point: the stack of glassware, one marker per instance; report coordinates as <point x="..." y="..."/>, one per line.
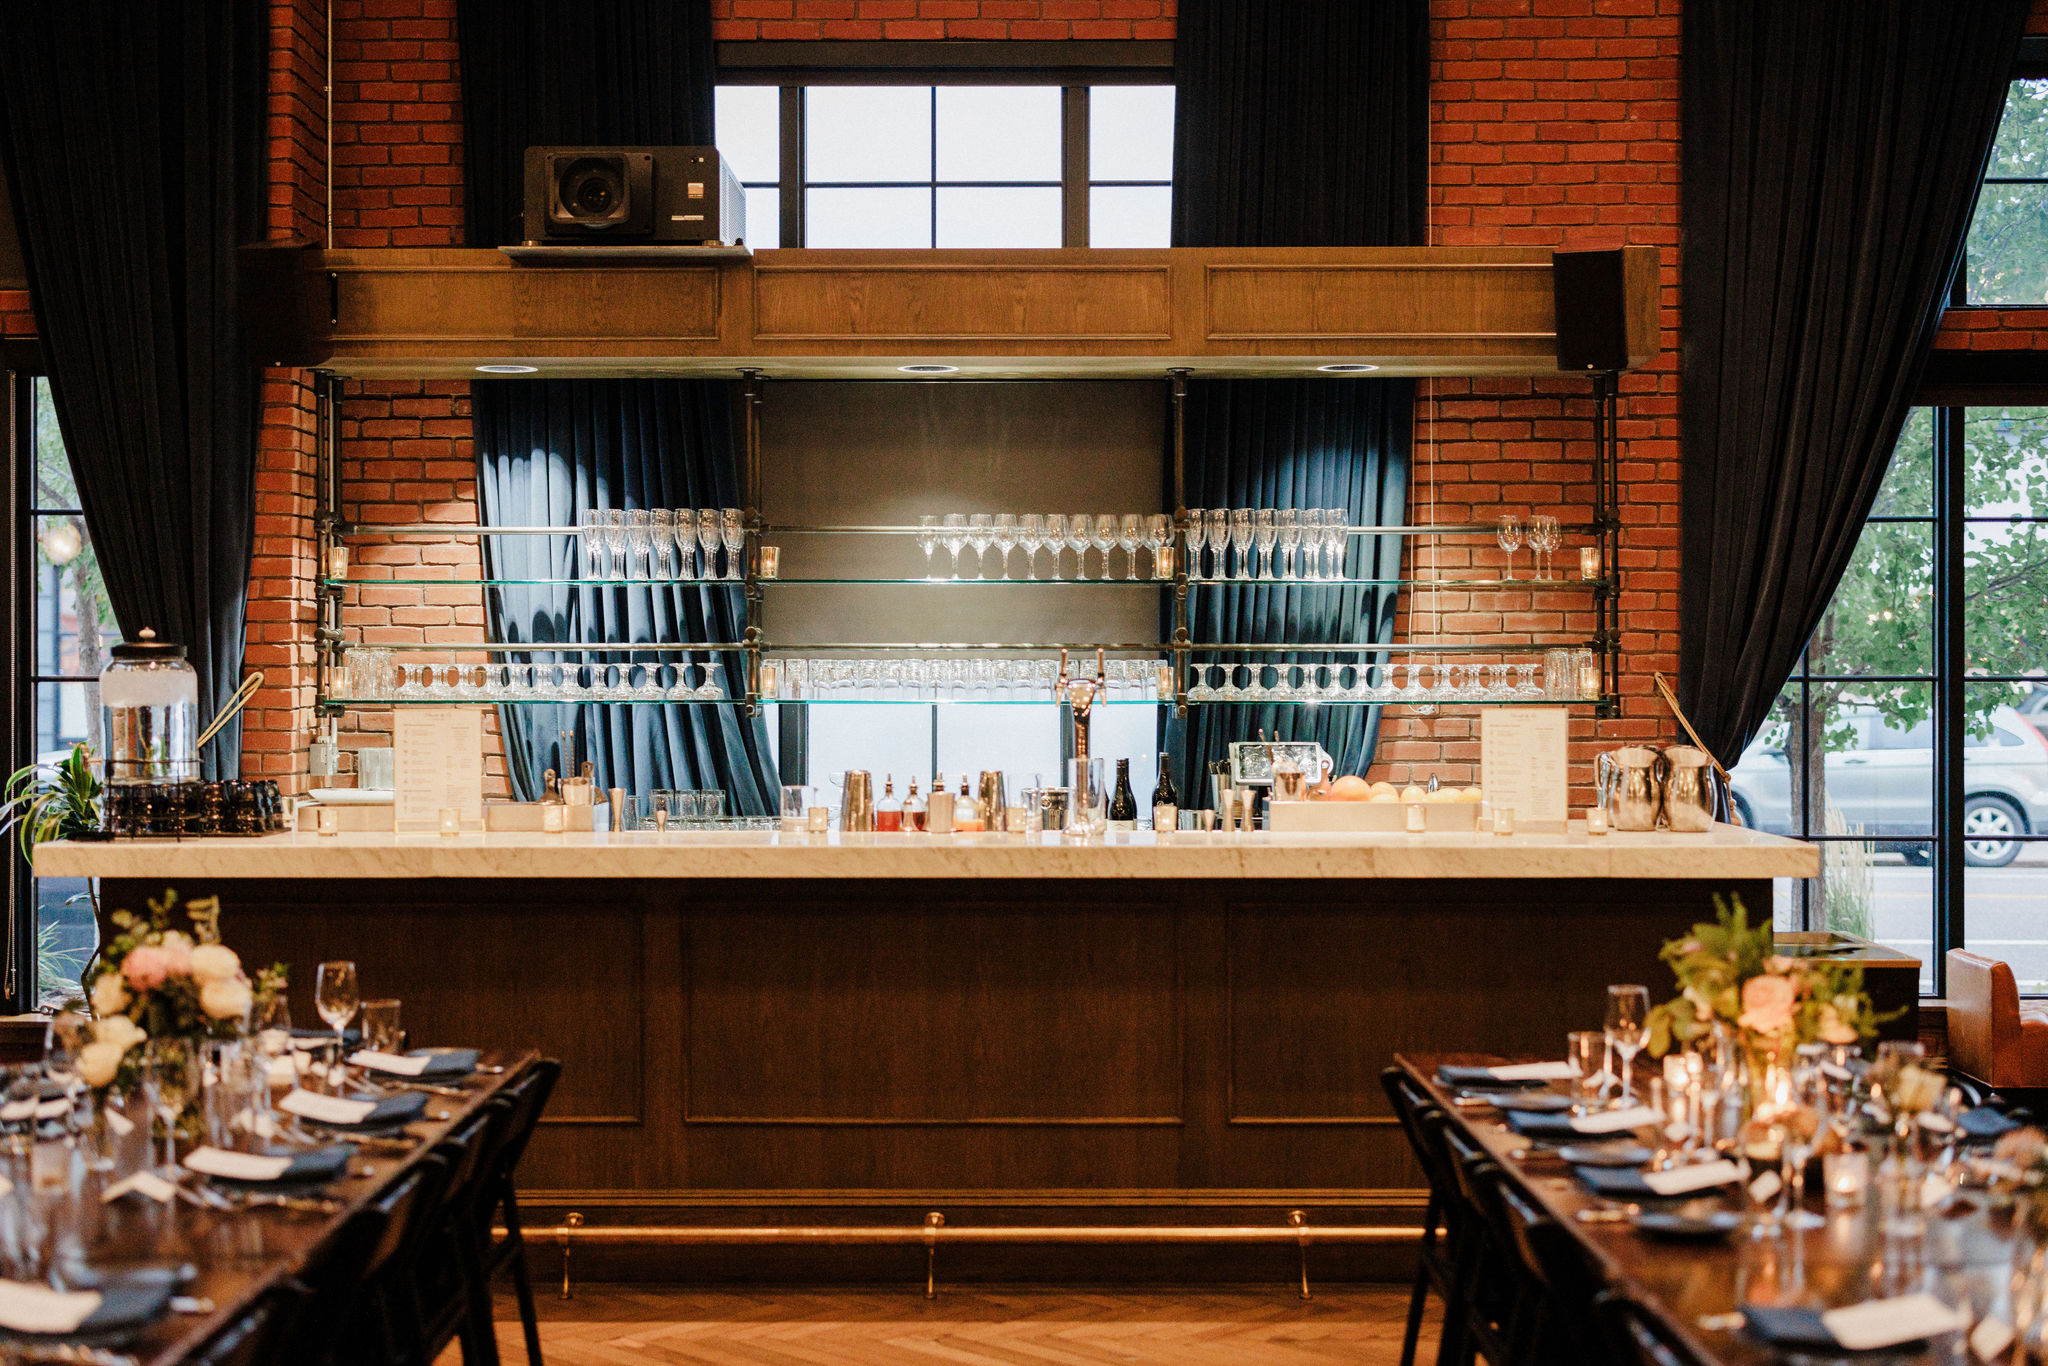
<point x="1053" y="532"/>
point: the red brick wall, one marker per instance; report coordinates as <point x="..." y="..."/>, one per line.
<point x="15" y="318"/>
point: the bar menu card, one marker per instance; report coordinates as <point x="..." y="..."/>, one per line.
<point x="439" y="764"/>
<point x="1523" y="764"/>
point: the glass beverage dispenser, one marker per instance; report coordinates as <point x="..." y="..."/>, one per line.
<point x="149" y="703"/>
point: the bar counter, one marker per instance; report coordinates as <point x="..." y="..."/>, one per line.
<point x="788" y="1029"/>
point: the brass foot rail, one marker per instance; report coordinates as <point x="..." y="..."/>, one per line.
<point x="935" y="1230"/>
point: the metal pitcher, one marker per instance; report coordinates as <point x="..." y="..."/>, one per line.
<point x="1629" y="783"/>
<point x="1691" y="790"/>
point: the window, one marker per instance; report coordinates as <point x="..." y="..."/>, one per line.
<point x="938" y="165"/>
<point x="72" y="626"/>
<point x="2007" y="261"/>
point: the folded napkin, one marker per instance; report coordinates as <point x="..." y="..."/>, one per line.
<point x="1533" y="1102"/>
<point x="1534" y="1125"/>
<point x="27" y="1308"/>
<point x="1857" y="1328"/>
<point x="421" y="1062"/>
<point x="1984" y="1124"/>
<point x="320" y="1038"/>
<point x="1631" y="1183"/>
<point x="1510" y="1074"/>
<point x="294" y="1167"/>
<point x="355" y="1114"/>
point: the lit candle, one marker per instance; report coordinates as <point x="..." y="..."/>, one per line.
<point x="451" y="820"/>
<point x="1596" y="820"/>
<point x="1503" y="820"/>
<point x="1416" y="820"/>
<point x="553" y="816"/>
<point x="771" y="681"/>
<point x="771" y="561"/>
<point x="327" y="820"/>
<point x="1014" y="818"/>
<point x="1589" y="680"/>
<point x="819" y="819"/>
<point x="1162" y="562"/>
<point x="1589" y="562"/>
<point x="1846" y="1177"/>
<point x="337" y="561"/>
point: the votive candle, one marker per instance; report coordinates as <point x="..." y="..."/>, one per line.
<point x="553" y="817"/>
<point x="337" y="562"/>
<point x="1596" y="820"/>
<point x="819" y="819"/>
<point x="1417" y="822"/>
<point x="327" y="820"/>
<point x="771" y="681"/>
<point x="1503" y="820"/>
<point x="1589" y="562"/>
<point x="451" y="820"/>
<point x="771" y="561"/>
<point x="1846" y="1177"/>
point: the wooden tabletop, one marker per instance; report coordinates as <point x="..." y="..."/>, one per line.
<point x="1842" y="1263"/>
<point x="239" y="1255"/>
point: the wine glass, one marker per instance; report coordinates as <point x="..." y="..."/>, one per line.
<point x="1055" y="538"/>
<point x="707" y="539"/>
<point x="1080" y="535"/>
<point x="954" y="534"/>
<point x="1005" y="537"/>
<point x="1216" y="532"/>
<point x="1628" y="1029"/>
<point x="979" y="533"/>
<point x="1130" y="531"/>
<point x="1241" y="540"/>
<point x="1031" y="535"/>
<point x="590" y="535"/>
<point x="1806" y="1103"/>
<point x="638" y="543"/>
<point x="615" y="542"/>
<point x="1158" y="536"/>
<point x="1287" y="526"/>
<point x="928" y="542"/>
<point x="1509" y="535"/>
<point x="1104" y="538"/>
<point x="1265" y="532"/>
<point x="732" y="530"/>
<point x="336" y="996"/>
<point x="1194" y="539"/>
<point x="1543" y="539"/>
<point x="1337" y="532"/>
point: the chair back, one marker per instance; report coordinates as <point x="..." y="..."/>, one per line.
<point x="526" y="1098"/>
<point x="1410" y="1102"/>
<point x="331" y="1282"/>
<point x="1563" y="1274"/>
<point x="409" y="1206"/>
<point x="1984" y="1019"/>
<point x="1637" y="1337"/>
<point x="258" y="1336"/>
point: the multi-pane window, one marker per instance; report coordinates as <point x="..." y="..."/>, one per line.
<point x="749" y="137"/>
<point x="73" y="627"/>
<point x="1130" y="165"/>
<point x="2008" y="245"/>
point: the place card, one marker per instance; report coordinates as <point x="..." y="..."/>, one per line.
<point x="1766" y="1185"/>
<point x="1523" y="763"/>
<point x="1887" y="1323"/>
<point x="54" y="1109"/>
<point x="236" y="1166"/>
<point x="119" y="1123"/>
<point x="26" y="1308"/>
<point x="326" y="1109"/>
<point x="1614" y="1121"/>
<point x="1533" y="1071"/>
<point x="1991" y="1337"/>
<point x="15" y="1110"/>
<point x="1699" y="1176"/>
<point x="141" y="1183"/>
<point x="395" y="1063"/>
<point x="438" y="765"/>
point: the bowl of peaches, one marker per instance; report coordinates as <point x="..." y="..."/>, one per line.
<point x="1351" y="804"/>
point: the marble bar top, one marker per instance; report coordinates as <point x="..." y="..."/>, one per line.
<point x="1727" y="852"/>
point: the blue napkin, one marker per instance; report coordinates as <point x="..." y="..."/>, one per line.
<point x="1478" y="1077"/>
<point x="1549" y="1124"/>
<point x="310" y="1166"/>
<point x="1626" y="1183"/>
<point x="1984" y="1124"/>
<point x="1783" y="1326"/>
<point x="446" y="1062"/>
<point x="389" y="1112"/>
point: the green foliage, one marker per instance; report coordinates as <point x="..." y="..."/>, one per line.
<point x="2008" y="245"/>
<point x="53" y="804"/>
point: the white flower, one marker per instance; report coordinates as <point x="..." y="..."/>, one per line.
<point x="226" y="1000"/>
<point x="109" y="994"/>
<point x="119" y="1031"/>
<point x="98" y="1061"/>
<point x="215" y="963"/>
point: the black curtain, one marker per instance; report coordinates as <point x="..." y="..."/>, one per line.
<point x="1831" y="159"/>
<point x="1298" y="125"/>
<point x="130" y="136"/>
<point x="606" y="73"/>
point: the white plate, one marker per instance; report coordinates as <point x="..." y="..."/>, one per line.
<point x="349" y="796"/>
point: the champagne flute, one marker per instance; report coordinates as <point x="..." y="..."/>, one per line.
<point x="928" y="542"/>
<point x="1543" y="539"/>
<point x="1509" y="535"/>
<point x="1265" y="532"/>
<point x="1628" y="1029"/>
<point x="732" y="529"/>
<point x="661" y="532"/>
<point x="590" y="533"/>
<point x="707" y="539"/>
<point x="1194" y="538"/>
<point x="1805" y="1105"/>
<point x="1241" y="540"/>
<point x="336" y="996"/>
<point x="1130" y="532"/>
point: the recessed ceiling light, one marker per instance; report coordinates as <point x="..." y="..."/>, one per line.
<point x="929" y="369"/>
<point x="508" y="369"/>
<point x="1346" y="368"/>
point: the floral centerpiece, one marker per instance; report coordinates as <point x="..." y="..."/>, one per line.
<point x="1732" y="977"/>
<point x="155" y="982"/>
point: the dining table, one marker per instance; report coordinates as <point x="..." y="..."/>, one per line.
<point x="1697" y="1288"/>
<point x="233" y="1255"/>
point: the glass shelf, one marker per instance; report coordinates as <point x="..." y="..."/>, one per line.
<point x="970" y="583"/>
<point x="943" y="702"/>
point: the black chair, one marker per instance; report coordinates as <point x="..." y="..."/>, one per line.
<point x="1436" y="1258"/>
<point x="260" y="1335"/>
<point x="330" y="1282"/>
<point x="1561" y="1281"/>
<point x="1637" y="1337"/>
<point x="527" y="1097"/>
<point x="451" y="1291"/>
<point x="1491" y="1307"/>
<point x="381" y="1330"/>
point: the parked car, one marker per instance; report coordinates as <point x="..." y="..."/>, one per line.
<point x="1882" y="782"/>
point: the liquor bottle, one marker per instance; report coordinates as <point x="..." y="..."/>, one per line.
<point x="888" y="811"/>
<point x="913" y="808"/>
<point x="1123" y="803"/>
<point x="966" y="810"/>
<point x="939" y="814"/>
<point x="1165" y="799"/>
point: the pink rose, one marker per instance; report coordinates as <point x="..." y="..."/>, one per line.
<point x="145" y="968"/>
<point x="1767" y="1004"/>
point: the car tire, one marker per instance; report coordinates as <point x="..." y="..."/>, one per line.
<point x="1985" y="820"/>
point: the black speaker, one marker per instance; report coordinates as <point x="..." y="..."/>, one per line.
<point x="1592" y="321"/>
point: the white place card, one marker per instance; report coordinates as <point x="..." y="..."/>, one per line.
<point x="236" y="1166"/>
<point x="17" y="1110"/>
<point x="1765" y="1186"/>
<point x="1614" y="1121"/>
<point x="284" y="1071"/>
<point x="438" y="764"/>
<point x="1697" y="1177"/>
<point x="1523" y="764"/>
<point x="147" y="1184"/>
<point x="1887" y="1323"/>
<point x="29" y="1308"/>
<point x="326" y="1109"/>
<point x="1991" y="1337"/>
<point x="54" y="1109"/>
<point x="119" y="1123"/>
<point x="395" y="1063"/>
<point x="1533" y="1071"/>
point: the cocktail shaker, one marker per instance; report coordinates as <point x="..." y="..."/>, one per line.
<point x="857" y="807"/>
<point x="993" y="800"/>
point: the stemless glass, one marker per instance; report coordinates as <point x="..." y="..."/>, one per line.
<point x="1287" y="526"/>
<point x="1264" y="531"/>
<point x="1194" y="540"/>
<point x="1130" y="533"/>
<point x="615" y="543"/>
<point x="1104" y="538"/>
<point x="928" y="542"/>
<point x="336" y="996"/>
<point x="1241" y="540"/>
<point x="954" y="535"/>
<point x="172" y="1074"/>
<point x="979" y="534"/>
<point x="1005" y="537"/>
<point x="639" y="541"/>
<point x="1158" y="536"/>
<point x="381" y="1033"/>
<point x="661" y="534"/>
<point x="1586" y="1054"/>
<point x="590" y="535"/>
<point x="1509" y="535"/>
<point x="1216" y="534"/>
<point x="732" y="529"/>
<point x="1055" y="537"/>
<point x="1628" y="1029"/>
<point x="1031" y="535"/>
<point x="708" y="537"/>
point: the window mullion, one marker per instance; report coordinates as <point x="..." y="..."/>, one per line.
<point x="1074" y="107"/>
<point x="1949" y="690"/>
<point x="794" y="175"/>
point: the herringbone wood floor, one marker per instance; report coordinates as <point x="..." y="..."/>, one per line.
<point x="614" y="1325"/>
